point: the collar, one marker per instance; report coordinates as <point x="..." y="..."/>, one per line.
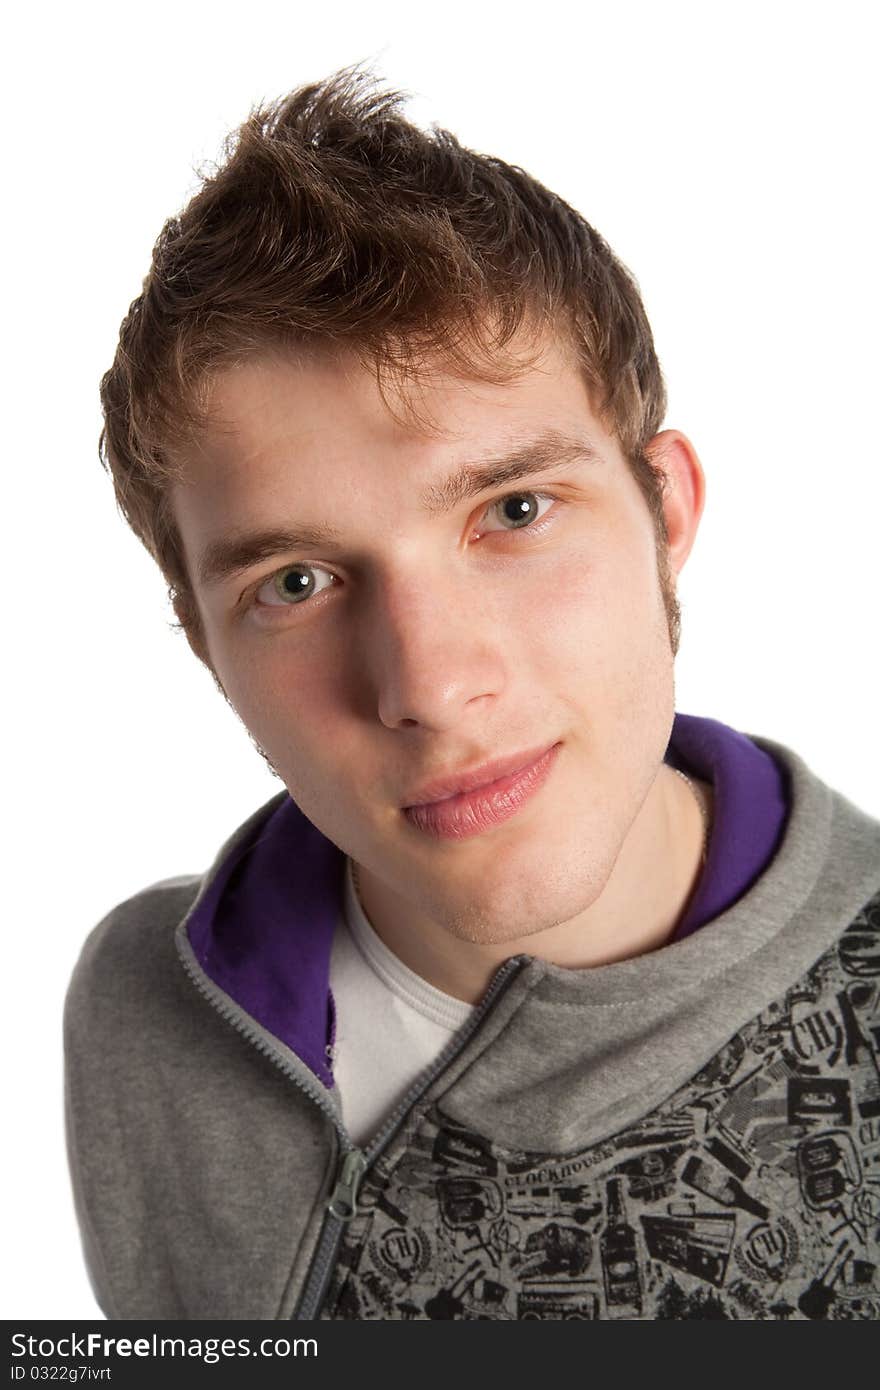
<point x="262" y="927"/>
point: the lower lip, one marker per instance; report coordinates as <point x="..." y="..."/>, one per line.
<point x="471" y="813"/>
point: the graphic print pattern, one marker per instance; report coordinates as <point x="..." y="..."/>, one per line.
<point x="753" y="1192"/>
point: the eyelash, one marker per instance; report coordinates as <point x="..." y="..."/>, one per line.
<point x="535" y="529"/>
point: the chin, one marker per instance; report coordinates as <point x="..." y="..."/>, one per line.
<point x="514" y="914"/>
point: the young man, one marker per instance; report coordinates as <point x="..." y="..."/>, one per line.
<point x="529" y="997"/>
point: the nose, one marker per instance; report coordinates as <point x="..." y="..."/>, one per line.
<point x="431" y="652"/>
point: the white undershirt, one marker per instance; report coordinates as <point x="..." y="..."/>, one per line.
<point x="390" y="1023"/>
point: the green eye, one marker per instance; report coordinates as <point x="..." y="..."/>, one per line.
<point x="292" y="586"/>
<point x="520" y="508"/>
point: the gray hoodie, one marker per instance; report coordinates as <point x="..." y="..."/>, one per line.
<point x="691" y="1133"/>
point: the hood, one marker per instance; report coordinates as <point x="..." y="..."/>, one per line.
<point x="262" y="926"/>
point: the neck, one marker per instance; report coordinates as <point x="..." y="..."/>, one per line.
<point x="642" y="902"/>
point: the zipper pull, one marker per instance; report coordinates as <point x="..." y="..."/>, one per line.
<point x="343" y="1201"/>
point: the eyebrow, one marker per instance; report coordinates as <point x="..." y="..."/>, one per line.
<point x="234" y="554"/>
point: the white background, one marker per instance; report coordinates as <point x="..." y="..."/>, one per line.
<point x="726" y="151"/>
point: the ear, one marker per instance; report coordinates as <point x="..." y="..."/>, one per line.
<point x="684" y="493"/>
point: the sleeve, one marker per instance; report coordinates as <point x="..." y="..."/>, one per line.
<point x="92" y="1256"/>
<point x="125" y="968"/>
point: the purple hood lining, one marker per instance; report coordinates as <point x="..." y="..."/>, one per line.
<point x="263" y="929"/>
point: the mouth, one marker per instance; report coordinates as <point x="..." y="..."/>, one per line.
<point x="474" y="778"/>
<point x="485" y="802"/>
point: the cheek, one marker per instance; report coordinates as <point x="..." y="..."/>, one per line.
<point x="294" y="704"/>
<point x="598" y="619"/>
<point x="605" y="645"/>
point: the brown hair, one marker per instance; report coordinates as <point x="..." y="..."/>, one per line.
<point x="333" y="221"/>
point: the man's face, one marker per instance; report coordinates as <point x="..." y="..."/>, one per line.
<point x="422" y="640"/>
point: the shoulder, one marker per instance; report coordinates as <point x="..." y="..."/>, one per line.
<point x="127" y="971"/>
<point x="141" y="924"/>
<point x="130" y="960"/>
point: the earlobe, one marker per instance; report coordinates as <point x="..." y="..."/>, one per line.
<point x="685" y="493"/>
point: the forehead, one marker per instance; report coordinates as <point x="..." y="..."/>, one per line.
<point x="320" y="396"/>
<point x="312" y="433"/>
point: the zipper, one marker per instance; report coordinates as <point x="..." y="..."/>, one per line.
<point x="261" y="1039"/>
<point x="353" y="1162"/>
<point x="341" y="1207"/>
